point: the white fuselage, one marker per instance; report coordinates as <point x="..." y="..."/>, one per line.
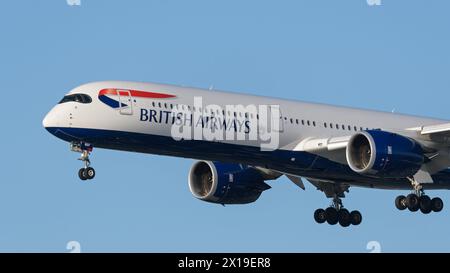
<point x="137" y="115"/>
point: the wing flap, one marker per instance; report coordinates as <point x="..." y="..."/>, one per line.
<point x="297" y="180"/>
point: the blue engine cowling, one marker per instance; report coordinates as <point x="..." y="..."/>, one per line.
<point x="384" y="154"/>
<point x="225" y="183"/>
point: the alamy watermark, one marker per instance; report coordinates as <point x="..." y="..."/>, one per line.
<point x="374" y="2"/>
<point x="374" y="247"/>
<point x="258" y="125"/>
<point x="73" y="247"/>
<point x="78" y="2"/>
<point x="73" y="2"/>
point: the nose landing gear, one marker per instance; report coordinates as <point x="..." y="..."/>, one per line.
<point x="87" y="172"/>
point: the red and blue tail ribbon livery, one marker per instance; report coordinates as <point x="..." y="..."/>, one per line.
<point x="108" y="95"/>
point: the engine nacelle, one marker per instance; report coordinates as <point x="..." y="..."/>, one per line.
<point x="384" y="154"/>
<point x="225" y="183"/>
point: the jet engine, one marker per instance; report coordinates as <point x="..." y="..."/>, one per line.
<point x="226" y="183"/>
<point x="384" y="154"/>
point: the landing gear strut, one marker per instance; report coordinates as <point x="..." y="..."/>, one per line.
<point x="417" y="200"/>
<point x="87" y="172"/>
<point x="336" y="213"/>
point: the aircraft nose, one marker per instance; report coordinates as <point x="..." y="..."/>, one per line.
<point x="49" y="120"/>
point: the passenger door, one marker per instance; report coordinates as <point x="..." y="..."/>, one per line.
<point x="125" y="102"/>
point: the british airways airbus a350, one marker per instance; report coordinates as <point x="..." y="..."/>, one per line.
<point x="241" y="141"/>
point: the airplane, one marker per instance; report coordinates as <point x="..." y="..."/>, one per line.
<point x="242" y="141"/>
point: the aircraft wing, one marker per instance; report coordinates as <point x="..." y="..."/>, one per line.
<point x="441" y="129"/>
<point x="438" y="133"/>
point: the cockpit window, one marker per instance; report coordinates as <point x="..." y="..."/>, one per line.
<point x="81" y="98"/>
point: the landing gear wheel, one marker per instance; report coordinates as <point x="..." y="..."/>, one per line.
<point x="85" y="149"/>
<point x="412" y="201"/>
<point x="436" y="204"/>
<point x="320" y="216"/>
<point x="400" y="202"/>
<point x="336" y="213"/>
<point x="344" y="217"/>
<point x="89" y="173"/>
<point x="332" y="215"/>
<point x="355" y="217"/>
<point x="425" y="204"/>
<point x="82" y="174"/>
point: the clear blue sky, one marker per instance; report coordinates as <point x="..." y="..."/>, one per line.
<point x="343" y="52"/>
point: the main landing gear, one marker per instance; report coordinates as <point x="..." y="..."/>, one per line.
<point x="336" y="213"/>
<point x="417" y="200"/>
<point x="87" y="172"/>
